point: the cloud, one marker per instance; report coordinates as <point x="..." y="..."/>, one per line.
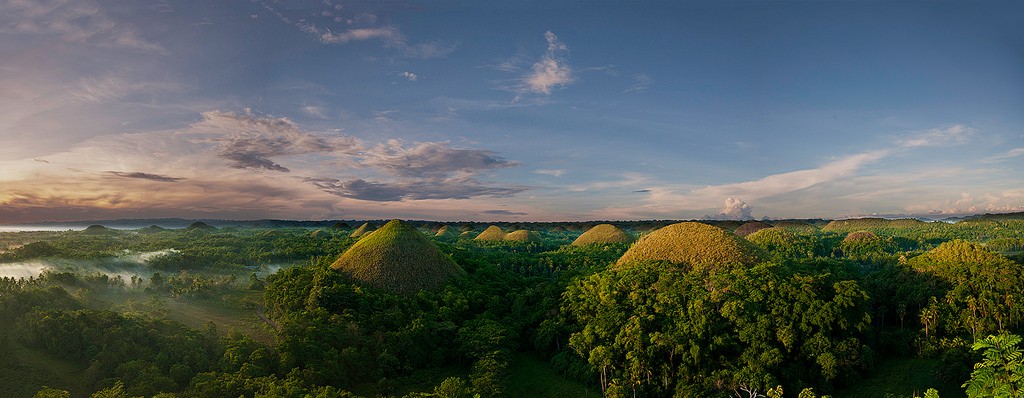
<point x="641" y="82"/>
<point x="144" y="176"/>
<point x="431" y="159"/>
<point x="553" y="173"/>
<point x="110" y="88"/>
<point x="453" y="188"/>
<point x="734" y="209"/>
<point x="249" y="141"/>
<point x="385" y="33"/>
<point x="410" y="76"/>
<point x="953" y="135"/>
<point x="642" y="191"/>
<point x="551" y="71"/>
<point x="503" y="212"/>
<point x="78" y="21"/>
<point x="1015" y="152"/>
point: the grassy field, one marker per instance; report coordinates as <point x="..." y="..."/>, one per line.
<point x="532" y="377"/>
<point x="902" y="377"/>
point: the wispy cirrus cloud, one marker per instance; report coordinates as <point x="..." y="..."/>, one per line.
<point x="947" y="136"/>
<point x="1015" y="152"/>
<point x="641" y="82"/>
<point x="144" y="176"/>
<point x="78" y="21"/>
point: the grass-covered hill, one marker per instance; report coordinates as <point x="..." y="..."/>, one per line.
<point x="750" y="227"/>
<point x="522" y="235"/>
<point x="693" y="243"/>
<point x="362" y="230"/>
<point x="492" y="233"/>
<point x="398" y="258"/>
<point x="447" y="232"/>
<point x="601" y="234"/>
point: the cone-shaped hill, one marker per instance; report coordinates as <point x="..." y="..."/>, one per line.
<point x="95" y="230"/>
<point x="447" y="232"/>
<point x="522" y="235"/>
<point x="750" y="227"/>
<point x="200" y="226"/>
<point x="601" y="234"/>
<point x="860" y="236"/>
<point x="492" y="233"/>
<point x="398" y="258"/>
<point x="693" y="243"/>
<point x="152" y="229"/>
<point x="362" y="230"/>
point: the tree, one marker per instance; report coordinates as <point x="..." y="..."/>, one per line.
<point x="1001" y="372"/>
<point x="48" y="392"/>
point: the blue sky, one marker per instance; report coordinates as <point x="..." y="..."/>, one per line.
<point x="519" y="110"/>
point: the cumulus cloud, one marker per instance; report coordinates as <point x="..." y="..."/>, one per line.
<point x="431" y="159"/>
<point x="144" y="176"/>
<point x="451" y="188"/>
<point x="249" y="141"/>
<point x="552" y="70"/>
<point x="410" y="76"/>
<point x="79" y="21"/>
<point x="734" y="209"/>
<point x="953" y="135"/>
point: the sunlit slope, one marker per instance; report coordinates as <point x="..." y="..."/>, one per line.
<point x="693" y="243"/>
<point x="399" y="258"/>
<point x="492" y="233"/>
<point x="603" y="233"/>
<point x="522" y="235"/>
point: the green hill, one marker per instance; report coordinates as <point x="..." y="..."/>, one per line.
<point x="603" y="233"/>
<point x="362" y="230"/>
<point x="750" y="227"/>
<point x="398" y="258"/>
<point x="693" y="243"/>
<point x="492" y="233"/>
<point x="522" y="235"/>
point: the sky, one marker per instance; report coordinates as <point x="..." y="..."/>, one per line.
<point x="515" y="111"/>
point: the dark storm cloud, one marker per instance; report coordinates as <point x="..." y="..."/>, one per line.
<point x="144" y="176"/>
<point x="454" y="188"/>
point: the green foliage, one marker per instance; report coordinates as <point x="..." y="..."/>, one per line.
<point x="745" y="328"/>
<point x="783" y="244"/>
<point x="982" y="292"/>
<point x="693" y="244"/>
<point x="48" y="392"/>
<point x="603" y="234"/>
<point x="398" y="258"/>
<point x="1000" y="374"/>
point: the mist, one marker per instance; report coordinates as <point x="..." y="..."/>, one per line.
<point x="126" y="265"/>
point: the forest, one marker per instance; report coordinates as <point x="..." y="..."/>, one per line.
<point x="795" y="308"/>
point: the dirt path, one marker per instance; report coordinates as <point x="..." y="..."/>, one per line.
<point x="259" y="313"/>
